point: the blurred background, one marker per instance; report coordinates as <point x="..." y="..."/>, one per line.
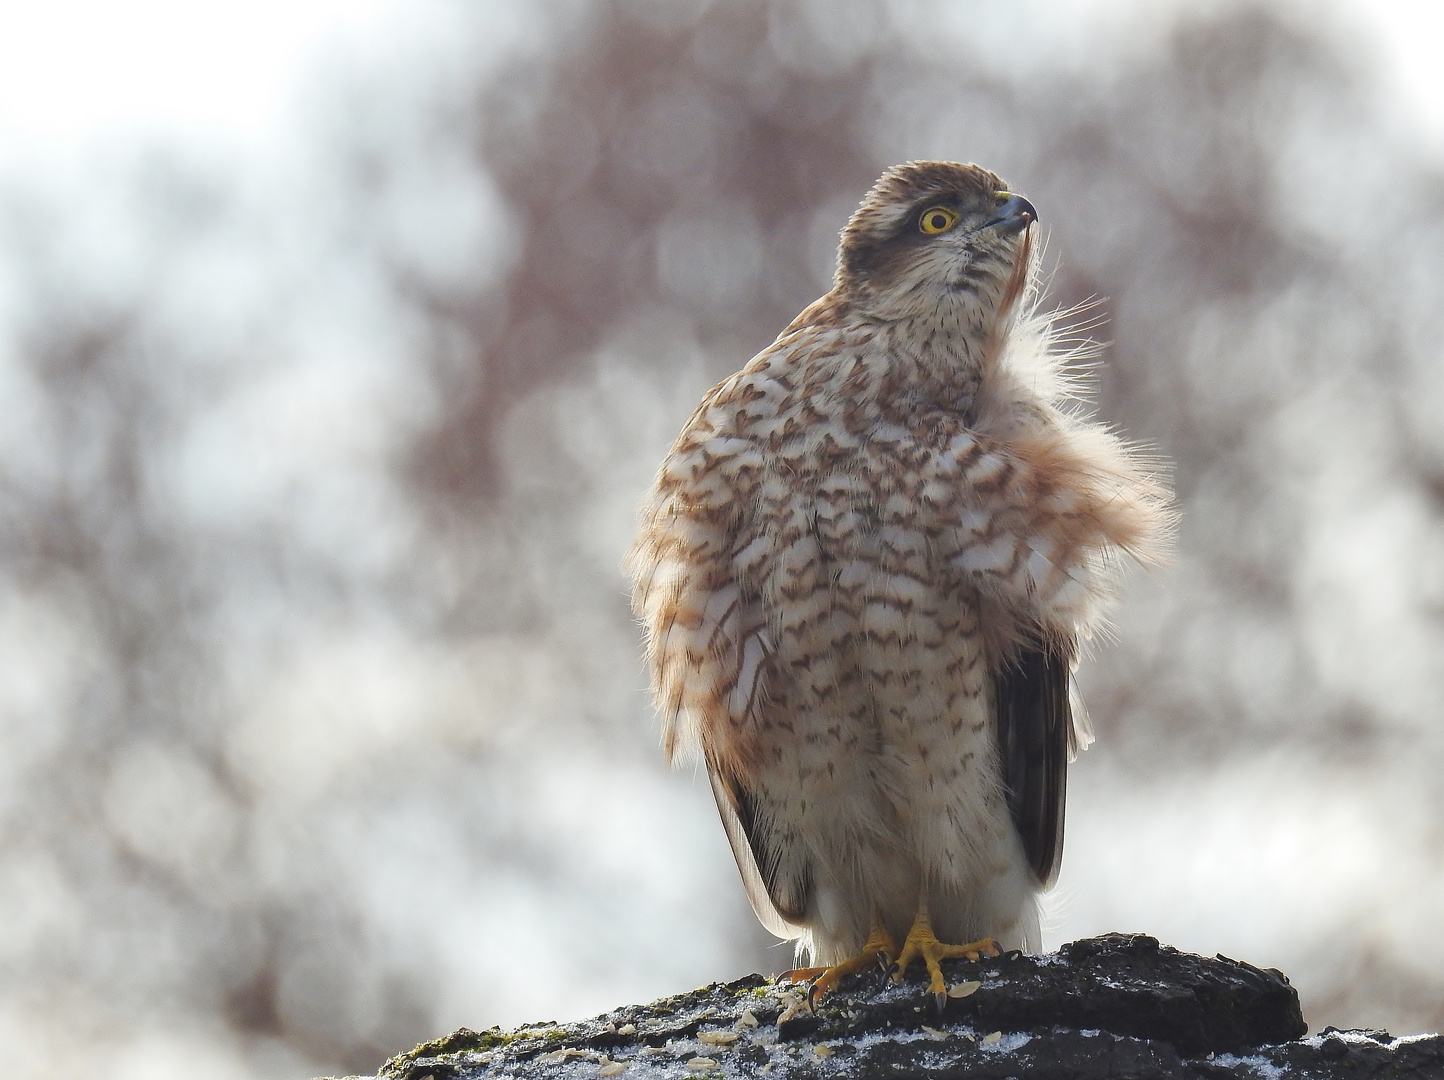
<point x="338" y="343"/>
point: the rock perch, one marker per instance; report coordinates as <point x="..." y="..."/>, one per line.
<point x="1121" y="1005"/>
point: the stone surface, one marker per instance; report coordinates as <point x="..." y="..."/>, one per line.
<point x="1113" y="1006"/>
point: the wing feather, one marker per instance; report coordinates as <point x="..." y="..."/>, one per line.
<point x="1035" y="735"/>
<point x="778" y="889"/>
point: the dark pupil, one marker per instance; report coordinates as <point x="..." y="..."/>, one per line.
<point x="937" y="221"/>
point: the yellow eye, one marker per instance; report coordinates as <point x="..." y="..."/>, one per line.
<point x="937" y="219"/>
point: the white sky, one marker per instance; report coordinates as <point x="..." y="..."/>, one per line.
<point x="1412" y="35"/>
<point x="73" y="70"/>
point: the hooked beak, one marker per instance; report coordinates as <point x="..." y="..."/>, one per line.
<point x="1015" y="215"/>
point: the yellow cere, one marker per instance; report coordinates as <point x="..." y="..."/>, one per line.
<point x="937" y="219"/>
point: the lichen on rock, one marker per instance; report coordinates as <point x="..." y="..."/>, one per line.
<point x="1117" y="1005"/>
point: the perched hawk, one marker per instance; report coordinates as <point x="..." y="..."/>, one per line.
<point x="864" y="570"/>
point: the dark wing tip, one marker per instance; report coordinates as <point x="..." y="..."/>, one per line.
<point x="779" y="889"/>
<point x="1034" y="725"/>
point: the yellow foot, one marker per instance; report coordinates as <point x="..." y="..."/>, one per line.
<point x="877" y="952"/>
<point x="923" y="944"/>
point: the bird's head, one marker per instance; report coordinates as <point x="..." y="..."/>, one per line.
<point x="936" y="241"/>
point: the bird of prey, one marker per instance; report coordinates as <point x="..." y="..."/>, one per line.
<point x="864" y="571"/>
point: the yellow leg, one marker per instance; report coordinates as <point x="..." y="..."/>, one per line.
<point x="878" y="952"/>
<point x="923" y="944"/>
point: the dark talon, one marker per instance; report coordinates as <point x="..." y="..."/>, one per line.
<point x="812" y="996"/>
